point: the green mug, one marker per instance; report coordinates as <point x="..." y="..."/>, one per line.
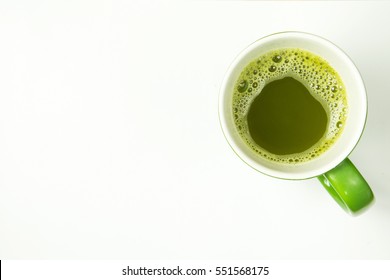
<point x="333" y="168"/>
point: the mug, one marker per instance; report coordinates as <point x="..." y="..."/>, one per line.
<point x="333" y="168"/>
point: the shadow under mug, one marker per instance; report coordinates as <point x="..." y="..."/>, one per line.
<point x="333" y="168"/>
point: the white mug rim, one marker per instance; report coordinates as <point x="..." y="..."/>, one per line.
<point x="256" y="165"/>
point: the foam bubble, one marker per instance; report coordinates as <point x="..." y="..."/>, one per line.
<point x="272" y="68"/>
<point x="277" y="58"/>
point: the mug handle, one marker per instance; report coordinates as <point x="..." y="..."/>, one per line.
<point x="348" y="187"/>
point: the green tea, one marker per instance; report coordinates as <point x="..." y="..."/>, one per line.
<point x="289" y="105"/>
<point x="285" y="118"/>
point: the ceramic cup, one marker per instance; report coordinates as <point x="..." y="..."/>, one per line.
<point x="333" y="168"/>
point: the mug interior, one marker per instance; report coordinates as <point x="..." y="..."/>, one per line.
<point x="356" y="98"/>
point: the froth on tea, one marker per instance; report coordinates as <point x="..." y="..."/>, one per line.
<point x="289" y="105"/>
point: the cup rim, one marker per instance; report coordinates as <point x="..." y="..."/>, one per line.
<point x="227" y="132"/>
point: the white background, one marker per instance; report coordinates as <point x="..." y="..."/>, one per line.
<point x="110" y="145"/>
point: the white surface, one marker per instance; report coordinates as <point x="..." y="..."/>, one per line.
<point x="110" y="145"/>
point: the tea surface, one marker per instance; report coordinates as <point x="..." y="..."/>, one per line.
<point x="285" y="118"/>
<point x="289" y="105"/>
